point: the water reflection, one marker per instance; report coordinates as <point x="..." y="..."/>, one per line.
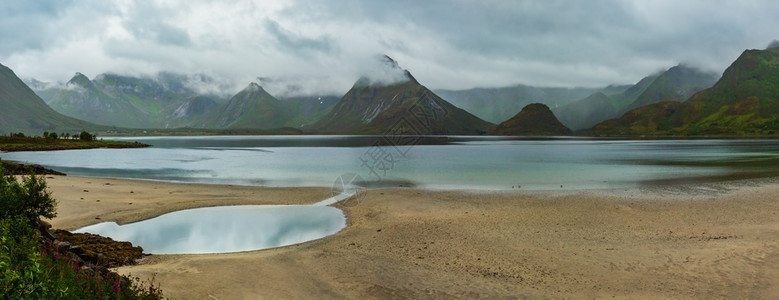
<point x="226" y="228"/>
<point x="457" y="162"/>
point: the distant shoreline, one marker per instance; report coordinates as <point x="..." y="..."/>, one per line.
<point x="68" y="145"/>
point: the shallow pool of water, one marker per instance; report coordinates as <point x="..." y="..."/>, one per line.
<point x="226" y="228"/>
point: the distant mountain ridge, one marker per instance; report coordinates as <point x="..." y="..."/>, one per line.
<point x="745" y="100"/>
<point x="136" y="102"/>
<point x="499" y="104"/>
<point x="83" y="99"/>
<point x="170" y="100"/>
<point x="675" y="84"/>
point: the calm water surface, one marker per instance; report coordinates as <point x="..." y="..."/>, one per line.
<point x="491" y="163"/>
<point x="227" y="228"/>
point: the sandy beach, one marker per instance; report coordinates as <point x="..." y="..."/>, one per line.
<point x="718" y="240"/>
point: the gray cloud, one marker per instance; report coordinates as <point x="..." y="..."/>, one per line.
<point x="23" y="22"/>
<point x="312" y="46"/>
<point x="292" y="42"/>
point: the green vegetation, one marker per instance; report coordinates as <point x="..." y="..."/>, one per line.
<point x="63" y="141"/>
<point x="205" y="132"/>
<point x="584" y="113"/>
<point x="83" y="99"/>
<point x="21" y="110"/>
<point x="169" y="101"/>
<point x="677" y="84"/>
<point x="745" y="101"/>
<point x="30" y="269"/>
<point x="252" y="107"/>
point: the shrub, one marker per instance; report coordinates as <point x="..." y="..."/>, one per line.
<point x="85" y="136"/>
<point x="28" y="199"/>
<point x="30" y="269"/>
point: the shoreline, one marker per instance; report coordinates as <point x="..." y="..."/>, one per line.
<point x="690" y="241"/>
<point x="81" y="200"/>
<point x="65" y="146"/>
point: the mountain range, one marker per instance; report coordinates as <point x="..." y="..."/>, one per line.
<point x="499" y="104"/>
<point x="170" y="100"/>
<point x="745" y="100"/>
<point x="581" y="108"/>
<point x="163" y="101"/>
<point x="675" y="84"/>
<point x="680" y="100"/>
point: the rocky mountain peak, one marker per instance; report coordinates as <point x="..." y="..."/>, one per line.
<point x="79" y="80"/>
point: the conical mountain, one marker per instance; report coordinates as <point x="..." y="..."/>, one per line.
<point x="82" y="99"/>
<point x="394" y="102"/>
<point x="252" y="107"/>
<point x="744" y="101"/>
<point x="533" y="119"/>
<point x="677" y="84"/>
<point x="21" y="110"/>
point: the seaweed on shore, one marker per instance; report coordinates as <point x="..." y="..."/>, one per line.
<point x="105" y="251"/>
<point x="14" y="168"/>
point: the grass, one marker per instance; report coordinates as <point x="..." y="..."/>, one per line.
<point x="16" y="143"/>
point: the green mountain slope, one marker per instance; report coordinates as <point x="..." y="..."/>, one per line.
<point x="21" y="110"/>
<point x="82" y="99"/>
<point x="190" y="111"/>
<point x="677" y="84"/>
<point x="584" y="113"/>
<point x="630" y="95"/>
<point x="306" y="110"/>
<point x="168" y="100"/>
<point x="744" y="101"/>
<point x="534" y="119"/>
<point x="252" y="107"/>
<point x="404" y="106"/>
<point x="45" y="90"/>
<point x="160" y="101"/>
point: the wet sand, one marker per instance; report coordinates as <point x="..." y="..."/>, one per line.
<point x="718" y="240"/>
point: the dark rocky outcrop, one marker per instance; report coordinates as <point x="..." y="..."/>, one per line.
<point x="25" y="169"/>
<point x="88" y="251"/>
<point x="534" y="119"/>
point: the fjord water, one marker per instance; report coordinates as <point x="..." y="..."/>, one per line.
<point x="473" y="163"/>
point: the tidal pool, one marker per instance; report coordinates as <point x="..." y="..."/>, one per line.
<point x="226" y="229"/>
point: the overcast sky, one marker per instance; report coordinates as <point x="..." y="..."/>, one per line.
<point x="324" y="46"/>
